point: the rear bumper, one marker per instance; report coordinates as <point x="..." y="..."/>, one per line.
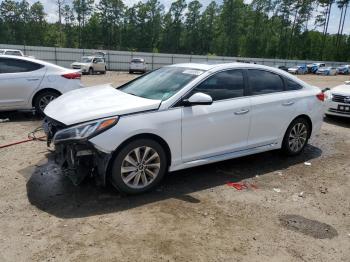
<point x="137" y="69"/>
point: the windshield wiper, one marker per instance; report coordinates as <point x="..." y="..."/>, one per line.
<point x="133" y="94"/>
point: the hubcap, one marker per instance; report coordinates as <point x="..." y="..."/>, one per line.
<point x="140" y="167"/>
<point x="45" y="100"/>
<point x="297" y="137"/>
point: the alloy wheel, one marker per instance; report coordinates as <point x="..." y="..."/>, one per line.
<point x="45" y="100"/>
<point x="297" y="137"/>
<point x="140" y="167"/>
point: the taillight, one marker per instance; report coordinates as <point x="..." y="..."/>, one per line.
<point x="321" y="96"/>
<point x="74" y="75"/>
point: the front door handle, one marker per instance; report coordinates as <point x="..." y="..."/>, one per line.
<point x="288" y="103"/>
<point x="242" y="112"/>
<point x="32" y="79"/>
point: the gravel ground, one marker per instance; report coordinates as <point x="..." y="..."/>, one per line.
<point x="290" y="211"/>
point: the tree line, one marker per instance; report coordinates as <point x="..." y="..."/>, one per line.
<point x="263" y="28"/>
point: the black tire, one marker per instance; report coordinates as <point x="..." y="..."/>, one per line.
<point x="104" y="72"/>
<point x="116" y="172"/>
<point x="91" y="71"/>
<point x="131" y="72"/>
<point x="286" y="146"/>
<point x="41" y="98"/>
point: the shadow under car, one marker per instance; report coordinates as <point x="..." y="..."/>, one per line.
<point x="54" y="193"/>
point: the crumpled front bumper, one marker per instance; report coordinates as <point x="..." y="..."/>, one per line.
<point x="77" y="159"/>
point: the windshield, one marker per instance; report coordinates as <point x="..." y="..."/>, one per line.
<point x="162" y="83"/>
<point x="86" y="60"/>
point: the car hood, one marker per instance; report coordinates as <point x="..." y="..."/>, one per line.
<point x="341" y="90"/>
<point x="96" y="102"/>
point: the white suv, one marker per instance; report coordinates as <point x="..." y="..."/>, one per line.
<point x="178" y="117"/>
<point x="90" y="65"/>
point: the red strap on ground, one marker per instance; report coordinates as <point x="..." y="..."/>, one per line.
<point x="238" y="186"/>
<point x="21" y="142"/>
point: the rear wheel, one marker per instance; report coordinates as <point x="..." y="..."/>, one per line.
<point x="139" y="166"/>
<point x="296" y="137"/>
<point x="43" y="99"/>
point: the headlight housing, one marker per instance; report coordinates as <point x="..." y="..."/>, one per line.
<point x="84" y="131"/>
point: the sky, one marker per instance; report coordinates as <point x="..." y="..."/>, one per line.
<point x="51" y="10"/>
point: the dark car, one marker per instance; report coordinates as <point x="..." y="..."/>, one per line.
<point x="282" y="67"/>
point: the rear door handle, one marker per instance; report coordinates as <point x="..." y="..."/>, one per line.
<point x="288" y="103"/>
<point x="32" y="79"/>
<point x="242" y="112"/>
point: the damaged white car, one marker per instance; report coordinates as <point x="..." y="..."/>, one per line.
<point x="178" y="117"/>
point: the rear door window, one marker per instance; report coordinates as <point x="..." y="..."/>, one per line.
<point x="8" y="65"/>
<point x="223" y="85"/>
<point x="263" y="82"/>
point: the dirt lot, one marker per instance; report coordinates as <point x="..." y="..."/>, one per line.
<point x="293" y="211"/>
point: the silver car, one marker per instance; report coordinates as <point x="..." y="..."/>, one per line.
<point x="327" y="71"/>
<point x="137" y="65"/>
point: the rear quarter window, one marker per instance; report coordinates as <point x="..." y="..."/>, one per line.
<point x="291" y="85"/>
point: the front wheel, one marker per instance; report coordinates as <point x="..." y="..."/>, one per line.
<point x="296" y="137"/>
<point x="139" y="166"/>
<point x="91" y="71"/>
<point x="43" y="99"/>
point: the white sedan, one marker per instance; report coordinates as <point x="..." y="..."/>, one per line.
<point x="178" y="117"/>
<point x="26" y="83"/>
<point x="338" y="100"/>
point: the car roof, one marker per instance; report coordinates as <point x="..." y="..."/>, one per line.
<point x="238" y="65"/>
<point x="220" y="65"/>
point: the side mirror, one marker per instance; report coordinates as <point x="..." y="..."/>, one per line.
<point x="94" y="61"/>
<point x="198" y="99"/>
